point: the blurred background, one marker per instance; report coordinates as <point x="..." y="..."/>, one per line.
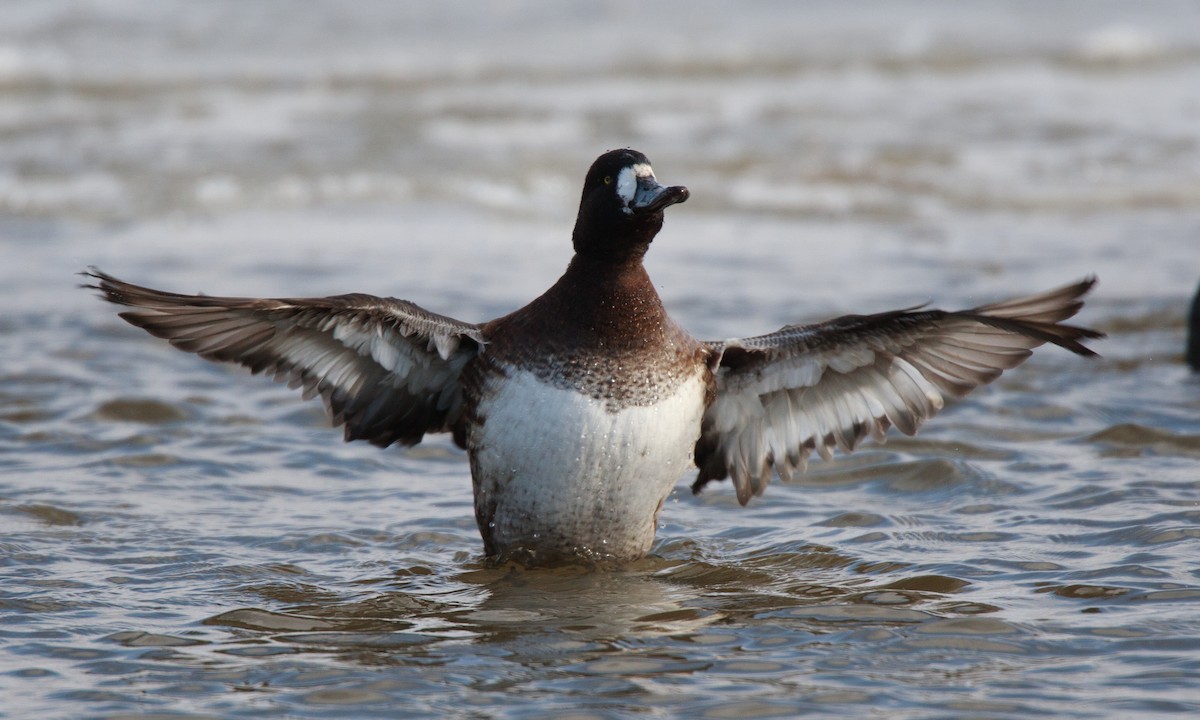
<point x="904" y="140"/>
<point x="179" y="538"/>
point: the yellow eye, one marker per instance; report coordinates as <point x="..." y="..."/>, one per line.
<point x="608" y="179"/>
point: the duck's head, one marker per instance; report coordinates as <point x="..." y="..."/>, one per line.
<point x="622" y="206"/>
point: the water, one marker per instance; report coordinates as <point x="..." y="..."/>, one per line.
<point x="181" y="540"/>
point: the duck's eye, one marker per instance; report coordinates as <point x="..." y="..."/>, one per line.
<point x="608" y="179"/>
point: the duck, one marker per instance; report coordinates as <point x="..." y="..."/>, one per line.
<point x="580" y="412"/>
<point x="1192" y="352"/>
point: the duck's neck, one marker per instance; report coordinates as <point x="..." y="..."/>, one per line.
<point x="606" y="298"/>
<point x="596" y="280"/>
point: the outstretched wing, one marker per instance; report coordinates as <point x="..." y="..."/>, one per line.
<point x="781" y="396"/>
<point x="386" y="369"/>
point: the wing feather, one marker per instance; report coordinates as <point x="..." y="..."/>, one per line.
<point x="820" y="388"/>
<point x="386" y="369"/>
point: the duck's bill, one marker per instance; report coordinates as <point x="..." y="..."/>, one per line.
<point x="652" y="197"/>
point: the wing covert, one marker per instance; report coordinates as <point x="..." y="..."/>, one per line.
<point x="816" y="388"/>
<point x="386" y="369"/>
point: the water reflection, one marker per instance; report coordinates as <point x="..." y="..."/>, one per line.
<point x="180" y="540"/>
<point x="668" y="621"/>
<point x="535" y="611"/>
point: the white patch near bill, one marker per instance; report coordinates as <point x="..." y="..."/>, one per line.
<point x="626" y="184"/>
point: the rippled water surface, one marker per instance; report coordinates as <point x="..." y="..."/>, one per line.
<point x="179" y="539"/>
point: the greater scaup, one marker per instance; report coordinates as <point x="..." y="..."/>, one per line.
<point x="581" y="410"/>
<point x="1192" y="353"/>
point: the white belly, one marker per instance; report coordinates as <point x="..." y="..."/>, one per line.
<point x="557" y="473"/>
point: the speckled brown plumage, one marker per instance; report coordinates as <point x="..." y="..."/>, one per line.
<point x="600" y="330"/>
